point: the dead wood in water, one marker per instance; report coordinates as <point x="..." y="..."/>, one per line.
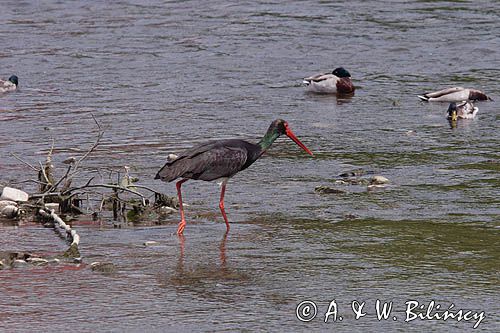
<point x="83" y="190"/>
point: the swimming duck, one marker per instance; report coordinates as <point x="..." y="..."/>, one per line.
<point x="339" y="81"/>
<point x="463" y="110"/>
<point x="9" y="85"/>
<point x="455" y="94"/>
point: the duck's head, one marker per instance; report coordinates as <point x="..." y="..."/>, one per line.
<point x="13" y="79"/>
<point x="341" y="72"/>
<point x="453" y="112"/>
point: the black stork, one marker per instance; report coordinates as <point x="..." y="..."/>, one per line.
<point x="220" y="160"/>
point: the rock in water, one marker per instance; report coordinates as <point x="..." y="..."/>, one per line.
<point x="5" y="203"/>
<point x="13" y="194"/>
<point x="328" y="190"/>
<point x="378" y="180"/>
<point x="9" y="211"/>
<point x="103" y="267"/>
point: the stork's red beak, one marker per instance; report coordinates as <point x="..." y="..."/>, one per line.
<point x="292" y="136"/>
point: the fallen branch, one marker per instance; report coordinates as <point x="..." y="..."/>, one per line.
<point x="90" y="150"/>
<point x="75" y="238"/>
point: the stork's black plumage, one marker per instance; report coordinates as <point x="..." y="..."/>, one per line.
<point x="211" y="161"/>
<point x="220" y="159"/>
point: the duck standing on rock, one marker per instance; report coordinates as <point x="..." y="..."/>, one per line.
<point x="9" y="85"/>
<point x="463" y="110"/>
<point x="455" y="94"/>
<point x="337" y="82"/>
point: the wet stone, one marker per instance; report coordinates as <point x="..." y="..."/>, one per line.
<point x="378" y="180"/>
<point x="353" y="173"/>
<point x="13" y="194"/>
<point x="103" y="267"/>
<point x="19" y="263"/>
<point x="37" y="261"/>
<point x="9" y="211"/>
<point x="328" y="190"/>
<point x="72" y="252"/>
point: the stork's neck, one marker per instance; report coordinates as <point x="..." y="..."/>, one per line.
<point x="268" y="139"/>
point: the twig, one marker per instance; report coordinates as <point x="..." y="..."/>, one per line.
<point x="61" y="179"/>
<point x="42" y="170"/>
<point x="91" y="149"/>
<point x="88" y="185"/>
<point x="30" y="181"/>
<point x="24" y="162"/>
<point x="146" y="188"/>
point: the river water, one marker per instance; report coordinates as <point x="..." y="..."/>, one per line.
<point x="162" y="76"/>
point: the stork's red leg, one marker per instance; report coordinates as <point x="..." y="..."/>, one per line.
<point x="182" y="223"/>
<point x="221" y="204"/>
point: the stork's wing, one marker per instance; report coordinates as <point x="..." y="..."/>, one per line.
<point x="209" y="161"/>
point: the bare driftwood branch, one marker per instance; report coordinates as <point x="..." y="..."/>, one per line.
<point x="61" y="179"/>
<point x="24" y="162"/>
<point x="75" y="238"/>
<point x="91" y="149"/>
<point x="114" y="187"/>
<point x="72" y="190"/>
<point x="43" y="177"/>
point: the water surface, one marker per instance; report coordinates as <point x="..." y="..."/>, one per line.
<point x="160" y="77"/>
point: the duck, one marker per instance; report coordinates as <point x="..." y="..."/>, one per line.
<point x="336" y="82"/>
<point x="455" y="94"/>
<point x="462" y="110"/>
<point x="9" y="85"/>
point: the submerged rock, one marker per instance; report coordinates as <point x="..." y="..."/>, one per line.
<point x="328" y="190"/>
<point x="353" y="173"/>
<point x="171" y="157"/>
<point x="19" y="263"/>
<point x="9" y="211"/>
<point x="72" y="252"/>
<point x="4" y="203"/>
<point x="37" y="261"/>
<point x="13" y="194"/>
<point x="103" y="267"/>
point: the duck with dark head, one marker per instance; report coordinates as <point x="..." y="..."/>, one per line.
<point x="337" y="82"/>
<point x="9" y="85"/>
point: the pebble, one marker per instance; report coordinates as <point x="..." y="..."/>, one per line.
<point x="103" y="267"/>
<point x="328" y="190"/>
<point x="353" y="173"/>
<point x="378" y="180"/>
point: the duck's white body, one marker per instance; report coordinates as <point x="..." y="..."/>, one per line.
<point x="337" y="82"/>
<point x="6" y="86"/>
<point x="322" y="83"/>
<point x="455" y="94"/>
